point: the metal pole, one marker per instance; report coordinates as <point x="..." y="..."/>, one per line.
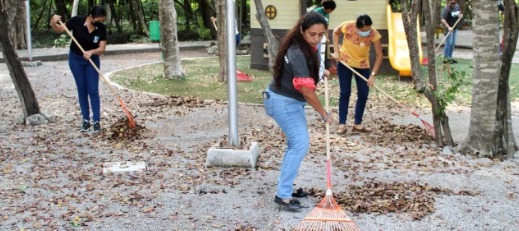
<point x="231" y="74"/>
<point x="29" y="37"/>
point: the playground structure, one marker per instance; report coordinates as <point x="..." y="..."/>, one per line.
<point x="398" y="50"/>
<point x="282" y="15"/>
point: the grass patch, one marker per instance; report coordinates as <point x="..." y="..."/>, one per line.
<point x="201" y="81"/>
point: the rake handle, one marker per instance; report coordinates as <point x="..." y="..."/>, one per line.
<point x="128" y="114"/>
<point x="328" y="154"/>
<point x="376" y="87"/>
<point x="444" y="38"/>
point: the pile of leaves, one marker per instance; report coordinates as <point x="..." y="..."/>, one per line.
<point x="176" y="101"/>
<point x="121" y="130"/>
<point x="388" y="133"/>
<point x="412" y="198"/>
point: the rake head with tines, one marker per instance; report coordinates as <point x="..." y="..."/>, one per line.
<point x="327" y="216"/>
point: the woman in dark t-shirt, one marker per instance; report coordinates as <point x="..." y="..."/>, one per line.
<point x="90" y="32"/>
<point x="297" y="70"/>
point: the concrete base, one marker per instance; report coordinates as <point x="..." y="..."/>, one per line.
<point x="233" y="157"/>
<point x="31" y="63"/>
<point x="115" y="167"/>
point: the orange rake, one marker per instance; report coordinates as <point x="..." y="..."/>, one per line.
<point x="428" y="127"/>
<point x="327" y="215"/>
<point x="131" y="121"/>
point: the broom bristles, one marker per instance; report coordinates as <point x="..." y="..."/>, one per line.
<point x="327" y="216"/>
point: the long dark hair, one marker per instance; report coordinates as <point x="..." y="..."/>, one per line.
<point x="97" y="11"/>
<point x="295" y="37"/>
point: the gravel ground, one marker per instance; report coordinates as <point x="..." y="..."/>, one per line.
<point x="52" y="174"/>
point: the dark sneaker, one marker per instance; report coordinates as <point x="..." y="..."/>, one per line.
<point x="294" y="205"/>
<point x="453" y="61"/>
<point x="97" y="126"/>
<point x="86" y="126"/>
<point x="300" y="193"/>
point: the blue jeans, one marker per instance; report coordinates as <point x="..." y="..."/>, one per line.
<point x="450" y="42"/>
<point x="87" y="83"/>
<point x="345" y="76"/>
<point x="289" y="114"/>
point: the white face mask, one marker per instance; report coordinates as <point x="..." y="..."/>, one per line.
<point x="364" y="33"/>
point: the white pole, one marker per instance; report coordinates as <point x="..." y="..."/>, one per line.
<point x="231" y="76"/>
<point x="29" y="37"/>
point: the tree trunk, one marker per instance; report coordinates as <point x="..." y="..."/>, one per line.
<point x="222" y="39"/>
<point x="272" y="41"/>
<point x="61" y="9"/>
<point x="17" y="23"/>
<point x="441" y="121"/>
<point x="169" y="39"/>
<point x="479" y="139"/>
<point x="505" y="144"/>
<point x="410" y="21"/>
<point x="74" y="7"/>
<point x="140" y="23"/>
<point x="206" y="10"/>
<point x="21" y="82"/>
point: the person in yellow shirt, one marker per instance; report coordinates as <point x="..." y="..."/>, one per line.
<point x="354" y="51"/>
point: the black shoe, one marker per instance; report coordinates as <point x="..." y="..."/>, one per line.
<point x="97" y="126"/>
<point x="293" y="205"/>
<point x="86" y="126"/>
<point x="300" y="193"/>
<point x="453" y="61"/>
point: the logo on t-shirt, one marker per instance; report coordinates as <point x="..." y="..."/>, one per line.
<point x="96" y="39"/>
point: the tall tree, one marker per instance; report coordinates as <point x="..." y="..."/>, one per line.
<point x="410" y="20"/>
<point x="169" y="39"/>
<point x="487" y="64"/>
<point x="206" y="11"/>
<point x="222" y="39"/>
<point x="22" y="85"/>
<point x="16" y="13"/>
<point x="441" y="121"/>
<point x="505" y="144"/>
<point x="272" y="41"/>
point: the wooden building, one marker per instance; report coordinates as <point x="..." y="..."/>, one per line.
<point x="283" y="15"/>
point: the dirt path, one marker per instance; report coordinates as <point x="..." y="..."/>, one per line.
<point x="52" y="175"/>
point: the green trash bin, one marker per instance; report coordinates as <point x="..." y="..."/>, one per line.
<point x="154" y="31"/>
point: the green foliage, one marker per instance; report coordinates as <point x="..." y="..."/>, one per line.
<point x="204" y="34"/>
<point x="62" y="41"/>
<point x="450" y="84"/>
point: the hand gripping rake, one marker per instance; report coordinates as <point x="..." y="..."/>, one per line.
<point x="131" y="121"/>
<point x="428" y="127"/>
<point x="327" y="215"/>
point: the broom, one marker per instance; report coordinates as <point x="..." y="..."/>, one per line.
<point x="131" y="121"/>
<point x="428" y="127"/>
<point x="327" y="215"/>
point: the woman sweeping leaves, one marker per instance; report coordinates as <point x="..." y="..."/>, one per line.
<point x="355" y="49"/>
<point x="297" y="70"/>
<point x="90" y="32"/>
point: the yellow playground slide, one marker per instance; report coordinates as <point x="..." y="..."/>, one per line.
<point x="398" y="51"/>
